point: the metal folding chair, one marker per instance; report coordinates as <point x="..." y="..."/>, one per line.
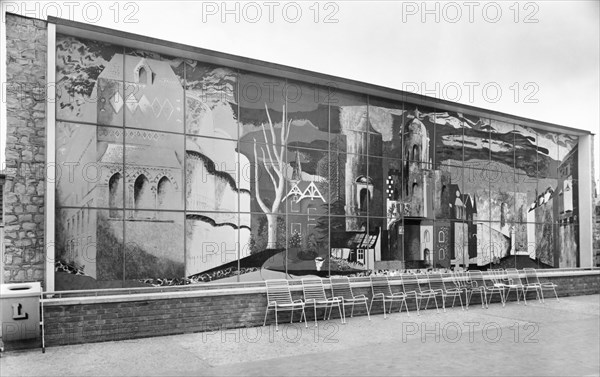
<point x="314" y="295"/>
<point x="380" y="286"/>
<point x="533" y="281"/>
<point x="476" y="284"/>
<point x="279" y="298"/>
<point x="341" y="289"/>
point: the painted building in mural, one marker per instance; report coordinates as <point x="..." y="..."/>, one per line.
<point x="178" y="171"/>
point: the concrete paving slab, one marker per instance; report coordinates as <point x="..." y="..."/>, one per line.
<point x="551" y="339"/>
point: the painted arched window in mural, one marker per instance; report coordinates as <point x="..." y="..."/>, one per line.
<point x="115" y="195"/>
<point x="143" y="76"/>
<point x="142" y="195"/>
<point x="364" y="187"/>
<point x="164" y="193"/>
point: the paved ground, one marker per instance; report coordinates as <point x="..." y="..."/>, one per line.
<point x="551" y="339"/>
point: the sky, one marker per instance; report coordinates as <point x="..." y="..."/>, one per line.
<point x="536" y="59"/>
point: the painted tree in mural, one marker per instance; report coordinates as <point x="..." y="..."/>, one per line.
<point x="275" y="167"/>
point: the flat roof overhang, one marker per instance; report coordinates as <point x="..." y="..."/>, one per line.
<point x="94" y="32"/>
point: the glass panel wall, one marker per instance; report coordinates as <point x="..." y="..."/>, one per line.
<point x="176" y="171"/>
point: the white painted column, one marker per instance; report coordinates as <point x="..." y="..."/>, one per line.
<point x="585" y="204"/>
<point x="50" y="156"/>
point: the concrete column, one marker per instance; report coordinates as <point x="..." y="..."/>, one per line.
<point x="50" y="199"/>
<point x="585" y="205"/>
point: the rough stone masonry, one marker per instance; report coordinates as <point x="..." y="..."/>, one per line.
<point x="26" y="42"/>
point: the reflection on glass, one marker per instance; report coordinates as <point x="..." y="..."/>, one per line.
<point x="308" y="114"/>
<point x="449" y="127"/>
<point x="154" y="247"/>
<point x="476" y="142"/>
<point x="211" y="100"/>
<point x="89" y="166"/>
<point x="502" y="146"/>
<point x="215" y="241"/>
<point x="89" y="81"/>
<point x="88" y="249"/>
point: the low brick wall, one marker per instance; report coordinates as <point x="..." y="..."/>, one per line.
<point x="74" y="320"/>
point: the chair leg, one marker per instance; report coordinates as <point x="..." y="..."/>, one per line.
<point x="366" y="307"/>
<point x="304" y="315"/>
<point x="265" y="321"/>
<point x="276" y="320"/>
<point x="342" y="318"/>
<point x="383" y="301"/>
<point x="436" y="304"/>
<point x="315" y="312"/>
<point x="352" y="311"/>
<point x="461" y="303"/>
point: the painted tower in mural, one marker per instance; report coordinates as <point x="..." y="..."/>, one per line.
<point x="152" y="183"/>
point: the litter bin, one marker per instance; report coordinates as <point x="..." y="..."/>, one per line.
<point x="20" y="308"/>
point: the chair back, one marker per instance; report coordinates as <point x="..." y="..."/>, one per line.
<point x="495" y="277"/>
<point x="410" y="285"/>
<point x="476" y="278"/>
<point x="531" y="276"/>
<point x="423" y="283"/>
<point x="445" y="283"/>
<point x="380" y="285"/>
<point x="436" y="282"/>
<point x="512" y="274"/>
<point x="460" y="279"/>
<point x="313" y="289"/>
<point x="278" y="290"/>
<point x="340" y="287"/>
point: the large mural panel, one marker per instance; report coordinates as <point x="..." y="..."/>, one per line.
<point x="175" y="171"/>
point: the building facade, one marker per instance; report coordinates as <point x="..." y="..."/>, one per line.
<point x="160" y="164"/>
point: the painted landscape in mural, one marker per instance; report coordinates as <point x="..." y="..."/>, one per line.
<point x="175" y="171"/>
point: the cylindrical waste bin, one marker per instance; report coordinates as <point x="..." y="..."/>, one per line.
<point x="20" y="308"/>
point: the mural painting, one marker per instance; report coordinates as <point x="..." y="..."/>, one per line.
<point x="176" y="171"/>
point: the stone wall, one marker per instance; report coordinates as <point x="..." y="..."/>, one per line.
<point x="26" y="41"/>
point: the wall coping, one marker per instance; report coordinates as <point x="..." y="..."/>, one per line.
<point x="258" y="288"/>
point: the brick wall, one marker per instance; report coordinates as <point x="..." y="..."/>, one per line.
<point x="26" y="41"/>
<point x="106" y="321"/>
